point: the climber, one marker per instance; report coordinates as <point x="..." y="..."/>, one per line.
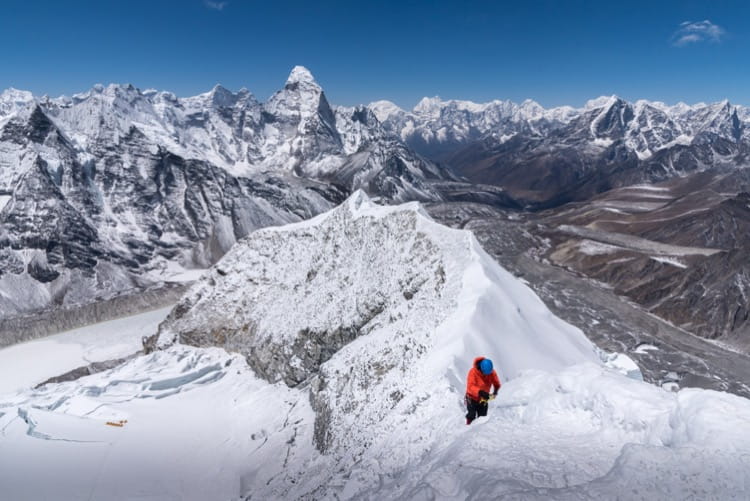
<point x="481" y="378"/>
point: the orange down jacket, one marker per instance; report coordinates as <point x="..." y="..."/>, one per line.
<point x="476" y="381"/>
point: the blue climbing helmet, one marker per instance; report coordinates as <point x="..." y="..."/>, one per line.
<point x="485" y="366"/>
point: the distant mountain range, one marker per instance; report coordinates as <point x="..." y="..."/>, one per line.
<point x="118" y="190"/>
<point x="547" y="157"/>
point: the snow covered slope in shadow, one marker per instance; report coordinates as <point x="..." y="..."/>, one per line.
<point x="358" y="328"/>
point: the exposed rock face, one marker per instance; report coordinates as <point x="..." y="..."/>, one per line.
<point x="117" y="189"/>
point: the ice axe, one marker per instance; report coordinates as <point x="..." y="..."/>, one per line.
<point x="485" y="400"/>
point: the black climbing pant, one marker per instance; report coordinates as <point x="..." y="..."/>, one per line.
<point x="475" y="408"/>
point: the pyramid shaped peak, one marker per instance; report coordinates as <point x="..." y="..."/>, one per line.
<point x="300" y="74"/>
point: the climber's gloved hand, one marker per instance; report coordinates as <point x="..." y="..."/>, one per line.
<point x="484" y="395"/>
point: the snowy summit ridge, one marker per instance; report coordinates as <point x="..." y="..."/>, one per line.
<point x="384" y="295"/>
<point x="375" y="313"/>
<point x="361" y="268"/>
<point x="358" y="327"/>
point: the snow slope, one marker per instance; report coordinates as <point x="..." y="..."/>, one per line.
<point x="197" y="422"/>
<point x="330" y="398"/>
<point x="60" y="353"/>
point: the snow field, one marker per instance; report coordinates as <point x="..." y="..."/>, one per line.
<point x="27" y="364"/>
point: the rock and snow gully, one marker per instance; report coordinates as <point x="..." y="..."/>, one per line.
<point x="347" y="341"/>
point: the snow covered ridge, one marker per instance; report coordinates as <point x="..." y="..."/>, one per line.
<point x="296" y="130"/>
<point x="362" y="323"/>
<point x="368" y="302"/>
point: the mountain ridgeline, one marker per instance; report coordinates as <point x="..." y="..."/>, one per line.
<point x="119" y="191"/>
<point x="544" y="158"/>
<point x="648" y="198"/>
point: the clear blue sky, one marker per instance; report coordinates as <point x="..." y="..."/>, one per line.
<point x="556" y="52"/>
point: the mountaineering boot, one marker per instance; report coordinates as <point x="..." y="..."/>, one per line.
<point x="468" y="421"/>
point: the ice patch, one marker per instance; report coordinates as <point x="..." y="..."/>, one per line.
<point x="670" y="261"/>
<point x="645" y="348"/>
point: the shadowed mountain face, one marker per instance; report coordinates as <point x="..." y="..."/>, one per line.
<point x="118" y="190"/>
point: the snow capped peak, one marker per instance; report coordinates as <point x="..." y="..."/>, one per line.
<point x="222" y="97"/>
<point x="219" y="89"/>
<point x="16" y="96"/>
<point x="384" y="109"/>
<point x="300" y="74"/>
<point x="13" y="100"/>
<point x="301" y="99"/>
<point x="531" y="104"/>
<point x="428" y="105"/>
<point x="358" y="200"/>
<point x="531" y="109"/>
<point x="602" y="102"/>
